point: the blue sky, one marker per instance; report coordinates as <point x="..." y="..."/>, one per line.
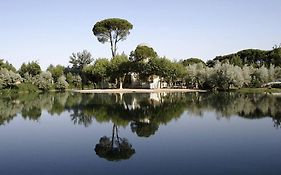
<point x="49" y="31"/>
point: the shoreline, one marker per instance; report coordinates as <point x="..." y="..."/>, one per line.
<point x="136" y="90"/>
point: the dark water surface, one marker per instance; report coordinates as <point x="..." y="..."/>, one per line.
<point x="176" y="133"/>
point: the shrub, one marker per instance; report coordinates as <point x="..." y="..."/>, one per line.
<point x="61" y="83"/>
<point x="9" y="79"/>
<point x="27" y="87"/>
<point x="43" y="81"/>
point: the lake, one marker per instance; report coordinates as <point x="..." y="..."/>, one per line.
<point x="140" y="134"/>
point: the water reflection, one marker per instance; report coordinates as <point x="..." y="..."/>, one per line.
<point x="144" y="113"/>
<point x="114" y="148"/>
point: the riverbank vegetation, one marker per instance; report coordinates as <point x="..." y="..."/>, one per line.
<point x="110" y="73"/>
<point x="87" y="72"/>
<point x="251" y="68"/>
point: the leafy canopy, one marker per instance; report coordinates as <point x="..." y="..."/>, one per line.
<point x="80" y="59"/>
<point x="112" y="30"/>
<point x="191" y="61"/>
<point x="56" y="71"/>
<point x="32" y="68"/>
<point x="142" y="53"/>
<point x="7" y="65"/>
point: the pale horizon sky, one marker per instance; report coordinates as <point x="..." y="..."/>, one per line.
<point x="49" y="31"/>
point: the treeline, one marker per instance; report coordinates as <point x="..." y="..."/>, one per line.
<point x="85" y="71"/>
<point x="248" y="68"/>
<point x="253" y="57"/>
<point x="224" y="76"/>
<point x="30" y="77"/>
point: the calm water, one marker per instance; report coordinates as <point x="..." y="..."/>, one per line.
<point x="177" y="133"/>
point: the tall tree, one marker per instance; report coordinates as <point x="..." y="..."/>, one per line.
<point x="112" y="30"/>
<point x="56" y="71"/>
<point x="98" y="72"/>
<point x="79" y="60"/>
<point x="31" y="68"/>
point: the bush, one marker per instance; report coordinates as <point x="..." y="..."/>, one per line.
<point x="61" y="84"/>
<point x="74" y="80"/>
<point x="27" y="87"/>
<point x="43" y="81"/>
<point x="9" y="79"/>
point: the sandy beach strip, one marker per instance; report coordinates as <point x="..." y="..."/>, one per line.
<point x="137" y="90"/>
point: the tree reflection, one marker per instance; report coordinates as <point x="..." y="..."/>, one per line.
<point x="9" y="108"/>
<point x="32" y="113"/>
<point x="114" y="148"/>
<point x="144" y="113"/>
<point x="143" y="129"/>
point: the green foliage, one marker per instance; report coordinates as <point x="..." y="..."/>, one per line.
<point x="253" y="57"/>
<point x="7" y="65"/>
<point x="74" y="80"/>
<point x="211" y="63"/>
<point x="179" y="71"/>
<point x="259" y="77"/>
<point x="164" y="68"/>
<point x="191" y="61"/>
<point x="99" y="70"/>
<point x="119" y="67"/>
<point x="9" y="79"/>
<point x="236" y="61"/>
<point x="98" y="73"/>
<point x="61" y="83"/>
<point x="31" y="68"/>
<point x="80" y="59"/>
<point x="56" y="71"/>
<point x="159" y="66"/>
<point x="103" y="70"/>
<point x="142" y="53"/>
<point x="196" y="75"/>
<point x="225" y="76"/>
<point x="77" y="81"/>
<point x="27" y="87"/>
<point x="112" y="30"/>
<point x="43" y="81"/>
<point x="246" y="68"/>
